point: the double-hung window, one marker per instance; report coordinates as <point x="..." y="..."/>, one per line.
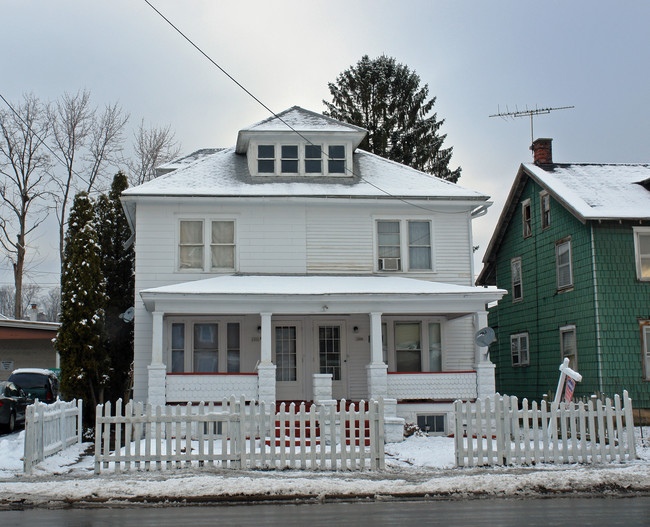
<point x="642" y="252"/>
<point x="526" y="218"/>
<point x="519" y="349"/>
<point x="412" y="252"/>
<point x="545" y="208"/>
<point x="408" y="348"/>
<point x="517" y="287"/>
<point x="222" y="244"/>
<point x="564" y="270"/>
<point x="191" y="244"/>
<point x="645" y="348"/>
<point x="568" y="346"/>
<point x="388" y="246"/>
<point x="266" y="159"/>
<point x="419" y="245"/>
<point x="289" y="161"/>
<point x="313" y="159"/>
<point x="336" y="161"/>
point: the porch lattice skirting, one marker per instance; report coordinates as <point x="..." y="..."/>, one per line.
<point x="240" y="435"/>
<point x="500" y="431"/>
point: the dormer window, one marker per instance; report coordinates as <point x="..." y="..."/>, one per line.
<point x="265" y="159"/>
<point x="336" y="163"/>
<point x="313" y="159"/>
<point x="289" y="162"/>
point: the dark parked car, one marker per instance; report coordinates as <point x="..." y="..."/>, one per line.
<point x="37" y="383"/>
<point x="13" y="402"/>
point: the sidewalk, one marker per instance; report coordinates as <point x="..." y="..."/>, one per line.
<point x="417" y="468"/>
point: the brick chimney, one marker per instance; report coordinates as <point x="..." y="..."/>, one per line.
<point x="542" y="151"/>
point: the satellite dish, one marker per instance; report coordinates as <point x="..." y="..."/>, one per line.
<point x="127" y="316"/>
<point x="484" y="337"/>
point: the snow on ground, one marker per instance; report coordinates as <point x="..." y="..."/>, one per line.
<point x="417" y="466"/>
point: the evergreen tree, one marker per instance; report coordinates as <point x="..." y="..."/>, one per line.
<point x="117" y="269"/>
<point x="84" y="362"/>
<point x="385" y="97"/>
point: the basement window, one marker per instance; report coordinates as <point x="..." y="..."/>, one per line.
<point x="433" y="424"/>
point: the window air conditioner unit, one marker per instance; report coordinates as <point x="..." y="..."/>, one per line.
<point x="389" y="264"/>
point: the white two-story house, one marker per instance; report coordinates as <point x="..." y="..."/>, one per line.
<point x="296" y="267"/>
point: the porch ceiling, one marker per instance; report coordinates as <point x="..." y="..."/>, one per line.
<point x="317" y="295"/>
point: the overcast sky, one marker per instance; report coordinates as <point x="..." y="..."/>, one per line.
<point x="476" y="57"/>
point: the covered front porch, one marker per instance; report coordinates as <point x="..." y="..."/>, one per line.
<point x="316" y="338"/>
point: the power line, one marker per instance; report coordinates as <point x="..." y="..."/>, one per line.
<point x="212" y="61"/>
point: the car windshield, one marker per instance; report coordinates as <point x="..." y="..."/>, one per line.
<point x="30" y="380"/>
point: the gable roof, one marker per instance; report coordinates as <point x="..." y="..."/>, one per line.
<point x="590" y="192"/>
<point x="297" y="119"/>
<point x="225" y="174"/>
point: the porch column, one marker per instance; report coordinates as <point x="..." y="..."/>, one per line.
<point x="377" y="370"/>
<point x="157" y="371"/>
<point x="266" y="368"/>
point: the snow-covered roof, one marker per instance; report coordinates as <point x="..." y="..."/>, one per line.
<point x="301" y="120"/>
<point x="29" y="324"/>
<point x="317" y="294"/>
<point x="185" y="160"/>
<point x="589" y="191"/>
<point x="597" y="191"/>
<point x="225" y="173"/>
<point x="311" y="285"/>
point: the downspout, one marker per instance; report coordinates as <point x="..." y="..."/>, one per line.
<point x="595" y="280"/>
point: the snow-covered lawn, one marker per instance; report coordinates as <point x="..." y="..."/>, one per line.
<point x="419" y="465"/>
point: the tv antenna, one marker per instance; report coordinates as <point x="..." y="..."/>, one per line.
<point x="522" y="113"/>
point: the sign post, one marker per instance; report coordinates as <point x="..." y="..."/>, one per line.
<point x="570" y="377"/>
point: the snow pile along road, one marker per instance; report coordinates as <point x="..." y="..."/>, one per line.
<point x="420" y="466"/>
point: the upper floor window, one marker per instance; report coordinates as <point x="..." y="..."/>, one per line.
<point x="526" y="218"/>
<point x="642" y="252"/>
<point x="517" y="289"/>
<point x="222" y="246"/>
<point x="394" y="253"/>
<point x="545" y="208"/>
<point x="289" y="162"/>
<point x="192" y="238"/>
<point x="519" y="349"/>
<point x="645" y="347"/>
<point x="266" y="159"/>
<point x="313" y="159"/>
<point x="191" y="244"/>
<point x="564" y="270"/>
<point x="568" y="346"/>
<point x="336" y="162"/>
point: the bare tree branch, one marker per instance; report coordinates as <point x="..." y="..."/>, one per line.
<point x="153" y="147"/>
<point x="23" y="165"/>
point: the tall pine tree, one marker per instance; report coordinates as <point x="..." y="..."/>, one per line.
<point x="85" y="367"/>
<point x="117" y="269"/>
<point x="385" y="97"/>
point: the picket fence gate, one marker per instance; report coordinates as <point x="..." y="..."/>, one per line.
<point x="240" y="435"/>
<point x="499" y="431"/>
<point x="50" y="428"/>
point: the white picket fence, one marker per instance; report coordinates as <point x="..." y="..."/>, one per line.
<point x="500" y="431"/>
<point x="240" y="435"/>
<point x="50" y="428"/>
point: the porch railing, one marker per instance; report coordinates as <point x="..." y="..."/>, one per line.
<point x="435" y="385"/>
<point x="197" y="387"/>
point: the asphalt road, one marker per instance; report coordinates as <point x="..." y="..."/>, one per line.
<point x="629" y="512"/>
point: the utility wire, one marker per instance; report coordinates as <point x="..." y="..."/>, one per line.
<point x="240" y="85"/>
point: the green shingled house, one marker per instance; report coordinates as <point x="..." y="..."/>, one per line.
<point x="572" y="247"/>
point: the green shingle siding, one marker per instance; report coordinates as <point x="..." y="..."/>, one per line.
<point x="544" y="310"/>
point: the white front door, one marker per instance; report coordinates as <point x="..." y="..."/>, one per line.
<point x="288" y="358"/>
<point x="330" y="355"/>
